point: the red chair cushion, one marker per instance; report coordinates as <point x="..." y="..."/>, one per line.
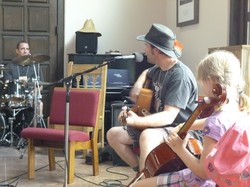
<point x="53" y="134"/>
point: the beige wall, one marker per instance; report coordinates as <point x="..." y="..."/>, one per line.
<point x="120" y="21"/>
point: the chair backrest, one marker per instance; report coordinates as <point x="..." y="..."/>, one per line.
<point x="94" y="80"/>
<point x="83" y="106"/>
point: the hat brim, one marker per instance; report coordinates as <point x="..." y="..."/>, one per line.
<point x="173" y="54"/>
<point x="91" y="32"/>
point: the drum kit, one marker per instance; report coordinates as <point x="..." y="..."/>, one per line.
<point x="16" y="97"/>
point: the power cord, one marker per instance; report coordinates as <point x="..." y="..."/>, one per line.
<point x="105" y="183"/>
<point x="16" y="178"/>
<point x="117" y="182"/>
<point x="110" y="183"/>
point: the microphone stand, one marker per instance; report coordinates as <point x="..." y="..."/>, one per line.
<point x="68" y="81"/>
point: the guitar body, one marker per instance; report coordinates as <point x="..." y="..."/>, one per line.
<point x="163" y="160"/>
<point x="160" y="160"/>
<point x="144" y="102"/>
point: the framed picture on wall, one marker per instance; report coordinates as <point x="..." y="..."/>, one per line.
<point x="187" y="12"/>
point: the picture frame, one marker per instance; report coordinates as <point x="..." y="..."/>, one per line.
<point x="187" y="12"/>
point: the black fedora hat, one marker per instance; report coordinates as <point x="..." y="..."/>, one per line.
<point x="164" y="39"/>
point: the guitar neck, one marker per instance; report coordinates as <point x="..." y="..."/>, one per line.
<point x="183" y="131"/>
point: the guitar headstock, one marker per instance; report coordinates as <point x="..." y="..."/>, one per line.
<point x="220" y="96"/>
<point x="219" y="93"/>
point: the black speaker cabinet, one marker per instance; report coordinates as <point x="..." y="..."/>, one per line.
<point x="86" y="42"/>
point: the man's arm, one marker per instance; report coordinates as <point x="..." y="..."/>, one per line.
<point x="158" y="119"/>
<point x="138" y="85"/>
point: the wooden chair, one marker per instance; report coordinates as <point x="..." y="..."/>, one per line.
<point x="96" y="79"/>
<point x="84" y="106"/>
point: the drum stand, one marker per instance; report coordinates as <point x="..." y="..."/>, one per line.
<point x="38" y="117"/>
<point x="11" y="133"/>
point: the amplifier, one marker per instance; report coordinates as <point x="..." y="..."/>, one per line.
<point x="86" y="42"/>
<point x="115" y="111"/>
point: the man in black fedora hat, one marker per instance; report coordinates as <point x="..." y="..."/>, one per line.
<point x="175" y="92"/>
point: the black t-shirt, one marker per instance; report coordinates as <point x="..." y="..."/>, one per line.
<point x="175" y="87"/>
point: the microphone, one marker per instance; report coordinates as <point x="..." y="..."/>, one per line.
<point x="138" y="57"/>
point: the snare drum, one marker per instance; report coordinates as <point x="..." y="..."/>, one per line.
<point x="17" y="93"/>
<point x="16" y="89"/>
<point x="3" y="127"/>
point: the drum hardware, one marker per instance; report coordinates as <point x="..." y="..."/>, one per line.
<point x="11" y="134"/>
<point x="37" y="119"/>
<point x="12" y="99"/>
<point x="4" y="69"/>
<point x="15" y="98"/>
<point x="38" y="116"/>
<point x="3" y="127"/>
<point x="13" y="94"/>
<point x="22" y="144"/>
<point x="41" y="83"/>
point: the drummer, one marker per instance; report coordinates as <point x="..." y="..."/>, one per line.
<point x="22" y="70"/>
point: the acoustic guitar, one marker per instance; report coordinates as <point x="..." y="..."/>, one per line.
<point x="163" y="159"/>
<point x="144" y="102"/>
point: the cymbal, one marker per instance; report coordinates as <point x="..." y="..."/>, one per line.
<point x="21" y="59"/>
<point x="40" y="58"/>
<point x="30" y="59"/>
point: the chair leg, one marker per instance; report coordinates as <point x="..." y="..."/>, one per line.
<point x="71" y="162"/>
<point x="51" y="157"/>
<point x="31" y="159"/>
<point x="95" y="160"/>
<point x="102" y="137"/>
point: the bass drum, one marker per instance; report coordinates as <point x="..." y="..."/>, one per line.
<point x="3" y="127"/>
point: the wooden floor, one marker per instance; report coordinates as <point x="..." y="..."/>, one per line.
<point x="14" y="171"/>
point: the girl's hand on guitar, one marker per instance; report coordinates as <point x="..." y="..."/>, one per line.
<point x="175" y="142"/>
<point x="177" y="128"/>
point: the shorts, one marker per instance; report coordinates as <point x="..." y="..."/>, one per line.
<point x="135" y="134"/>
